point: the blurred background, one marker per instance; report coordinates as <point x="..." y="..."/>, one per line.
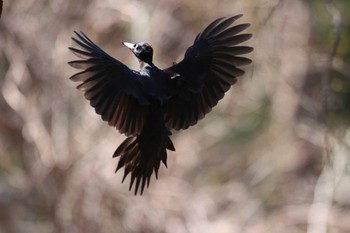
<point x="273" y="156"/>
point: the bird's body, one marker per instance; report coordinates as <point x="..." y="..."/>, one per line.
<point x="147" y="104"/>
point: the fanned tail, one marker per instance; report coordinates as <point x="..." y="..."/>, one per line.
<point x="142" y="154"/>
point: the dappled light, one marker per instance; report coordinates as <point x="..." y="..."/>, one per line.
<point x="272" y="156"/>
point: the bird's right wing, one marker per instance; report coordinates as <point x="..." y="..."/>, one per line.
<point x="208" y="70"/>
<point x="115" y="91"/>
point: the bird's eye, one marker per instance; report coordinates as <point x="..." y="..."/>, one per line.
<point x="148" y="49"/>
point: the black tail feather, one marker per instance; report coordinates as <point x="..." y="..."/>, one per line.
<point x="141" y="155"/>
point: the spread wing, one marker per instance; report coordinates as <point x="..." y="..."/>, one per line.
<point x="208" y="70"/>
<point x="112" y="88"/>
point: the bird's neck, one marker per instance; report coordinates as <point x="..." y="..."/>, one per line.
<point x="146" y="68"/>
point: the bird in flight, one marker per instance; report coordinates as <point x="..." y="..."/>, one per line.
<point x="146" y="105"/>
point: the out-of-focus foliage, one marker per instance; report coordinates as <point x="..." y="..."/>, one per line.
<point x="273" y="156"/>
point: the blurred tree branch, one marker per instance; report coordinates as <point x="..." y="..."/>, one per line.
<point x="254" y="165"/>
<point x="335" y="159"/>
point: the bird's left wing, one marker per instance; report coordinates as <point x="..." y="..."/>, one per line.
<point x="115" y="91"/>
<point x="208" y="70"/>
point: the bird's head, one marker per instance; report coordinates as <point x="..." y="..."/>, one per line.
<point x="143" y="51"/>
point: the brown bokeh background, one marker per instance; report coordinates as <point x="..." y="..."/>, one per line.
<point x="273" y="156"/>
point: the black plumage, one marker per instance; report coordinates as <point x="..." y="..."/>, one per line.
<point x="146" y="105"/>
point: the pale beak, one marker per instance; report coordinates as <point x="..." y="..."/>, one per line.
<point x="129" y="45"/>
